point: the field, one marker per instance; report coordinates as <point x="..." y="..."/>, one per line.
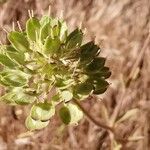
<point x="122" y="29"/>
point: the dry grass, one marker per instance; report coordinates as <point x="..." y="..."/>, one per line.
<point x="121" y="28"/>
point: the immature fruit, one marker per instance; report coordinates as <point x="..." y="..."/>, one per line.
<point x="45" y="66"/>
<point x="19" y="41"/>
<point x="32" y="124"/>
<point x="70" y="114"/>
<point x="42" y="111"/>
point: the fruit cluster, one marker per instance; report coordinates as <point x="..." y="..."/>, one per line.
<point x="44" y="57"/>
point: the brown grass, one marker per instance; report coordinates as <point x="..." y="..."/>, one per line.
<point x="121" y="28"/>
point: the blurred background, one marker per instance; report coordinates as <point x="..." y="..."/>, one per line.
<point x="121" y="28"/>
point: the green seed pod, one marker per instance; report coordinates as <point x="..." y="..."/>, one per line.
<point x="96" y="65"/>
<point x="66" y="95"/>
<point x="84" y="88"/>
<point x="74" y="39"/>
<point x="32" y="29"/>
<point x="4" y="60"/>
<point x="51" y="46"/>
<point x="13" y="54"/>
<point x="19" y="41"/>
<point x="45" y="20"/>
<point x="88" y="52"/>
<point x="70" y="114"/>
<point x="42" y="111"/>
<point x="17" y="96"/>
<point x="15" y="78"/>
<point x="32" y="124"/>
<point x="63" y="30"/>
<point x="45" y="66"/>
<point x="45" y="31"/>
<point x="100" y="86"/>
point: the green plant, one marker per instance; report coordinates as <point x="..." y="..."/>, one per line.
<point x="46" y="57"/>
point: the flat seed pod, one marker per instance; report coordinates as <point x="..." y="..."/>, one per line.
<point x="3" y="82"/>
<point x="51" y="46"/>
<point x="15" y="77"/>
<point x="33" y="28"/>
<point x="17" y="96"/>
<point x="14" y="55"/>
<point x="99" y="91"/>
<point x="19" y="41"/>
<point x="48" y="69"/>
<point x="42" y="111"/>
<point x="100" y="86"/>
<point x="32" y="124"/>
<point x="4" y="60"/>
<point x="65" y="115"/>
<point x="45" y="31"/>
<point x="96" y="65"/>
<point x="74" y="39"/>
<point x="84" y="88"/>
<point x="21" y="97"/>
<point x="88" y="52"/>
<point x="70" y="114"/>
<point x="103" y="73"/>
<point x="55" y="31"/>
<point x="44" y="20"/>
<point x="66" y="95"/>
<point x="63" y="30"/>
<point x="8" y="98"/>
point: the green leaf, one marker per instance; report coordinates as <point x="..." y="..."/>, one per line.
<point x="32" y="124"/>
<point x="70" y="114"/>
<point x="51" y="46"/>
<point x="4" y="60"/>
<point x="33" y="28"/>
<point x="66" y="95"/>
<point x="42" y="111"/>
<point x="74" y="39"/>
<point x="18" y="41"/>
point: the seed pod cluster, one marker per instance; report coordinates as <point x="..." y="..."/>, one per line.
<point x="46" y="56"/>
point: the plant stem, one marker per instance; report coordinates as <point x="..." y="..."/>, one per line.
<point x="98" y="123"/>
